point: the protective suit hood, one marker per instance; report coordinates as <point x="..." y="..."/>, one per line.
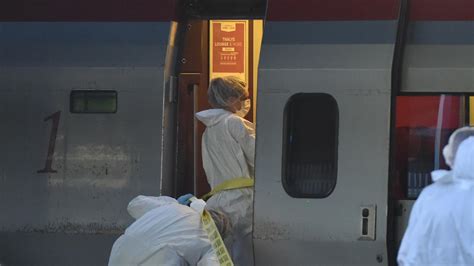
<point x="143" y="204"/>
<point x="464" y="163"/>
<point x="463" y="168"/>
<point x="212" y="116"/>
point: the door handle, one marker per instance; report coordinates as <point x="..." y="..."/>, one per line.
<point x="368" y="215"/>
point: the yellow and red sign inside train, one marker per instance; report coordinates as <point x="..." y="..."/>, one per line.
<point x="229" y="48"/>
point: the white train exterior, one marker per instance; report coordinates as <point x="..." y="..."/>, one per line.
<point x="93" y="114"/>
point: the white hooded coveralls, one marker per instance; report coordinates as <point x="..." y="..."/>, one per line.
<point x="165" y="233"/>
<point x="228" y="150"/>
<point x="441" y="225"/>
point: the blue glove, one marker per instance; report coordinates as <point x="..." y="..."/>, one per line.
<point x="185" y="199"/>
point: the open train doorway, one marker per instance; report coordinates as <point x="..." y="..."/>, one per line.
<point x="423" y="125"/>
<point x="211" y="48"/>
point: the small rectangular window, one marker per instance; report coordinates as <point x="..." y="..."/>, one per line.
<point x="93" y="101"/>
<point x="310" y="145"/>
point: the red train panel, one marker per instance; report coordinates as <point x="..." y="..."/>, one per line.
<point x="278" y="10"/>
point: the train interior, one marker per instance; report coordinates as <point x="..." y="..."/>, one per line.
<point x="215" y="48"/>
<point x="423" y="126"/>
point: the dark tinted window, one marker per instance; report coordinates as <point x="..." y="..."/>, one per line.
<point x="310" y="145"/>
<point x="93" y="101"/>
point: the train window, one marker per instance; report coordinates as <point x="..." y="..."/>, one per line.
<point x="310" y="145"/>
<point x="92" y="101"/>
<point x="423" y="127"/>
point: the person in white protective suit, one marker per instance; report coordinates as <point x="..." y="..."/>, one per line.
<point x="165" y="233"/>
<point x="441" y="226"/>
<point x="228" y="150"/>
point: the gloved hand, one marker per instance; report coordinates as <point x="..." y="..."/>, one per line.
<point x="185" y="199"/>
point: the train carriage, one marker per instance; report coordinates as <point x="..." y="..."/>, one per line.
<point x="353" y="102"/>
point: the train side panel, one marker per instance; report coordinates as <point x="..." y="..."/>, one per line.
<point x="350" y="61"/>
<point x="68" y="177"/>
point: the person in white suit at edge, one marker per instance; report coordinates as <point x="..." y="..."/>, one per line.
<point x="228" y="151"/>
<point x="441" y="226"/>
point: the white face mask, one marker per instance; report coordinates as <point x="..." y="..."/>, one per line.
<point x="244" y="110"/>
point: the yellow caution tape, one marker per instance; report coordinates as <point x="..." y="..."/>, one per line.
<point x="209" y="225"/>
<point x="234" y="183"/>
<point x="215" y="238"/>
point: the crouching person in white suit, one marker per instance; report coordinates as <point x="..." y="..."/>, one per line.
<point x="165" y="233"/>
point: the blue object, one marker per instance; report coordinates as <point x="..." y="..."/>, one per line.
<point x="185" y="199"/>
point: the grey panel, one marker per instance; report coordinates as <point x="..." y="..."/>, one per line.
<point x="367" y="32"/>
<point x="438" y="68"/>
<point x="323" y="253"/>
<point x="441" y="32"/>
<point x="363" y="97"/>
<point x="291" y="231"/>
<point x="330" y="32"/>
<point x="55" y="249"/>
<point x="102" y="160"/>
<point x="111" y="44"/>
<point x="439" y="57"/>
<point x="336" y="56"/>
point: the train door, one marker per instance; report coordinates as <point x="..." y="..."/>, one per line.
<point x="435" y="97"/>
<point x="323" y="140"/>
<point x="190" y="74"/>
<point x="212" y="48"/>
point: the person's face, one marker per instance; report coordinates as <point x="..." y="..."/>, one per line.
<point x="237" y="103"/>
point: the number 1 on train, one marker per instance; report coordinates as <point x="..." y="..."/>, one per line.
<point x="52" y="142"/>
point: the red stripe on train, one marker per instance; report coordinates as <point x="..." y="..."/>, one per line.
<point x="442" y="10"/>
<point x="316" y="10"/>
<point x="296" y="10"/>
<point x="87" y="10"/>
<point x="278" y="10"/>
